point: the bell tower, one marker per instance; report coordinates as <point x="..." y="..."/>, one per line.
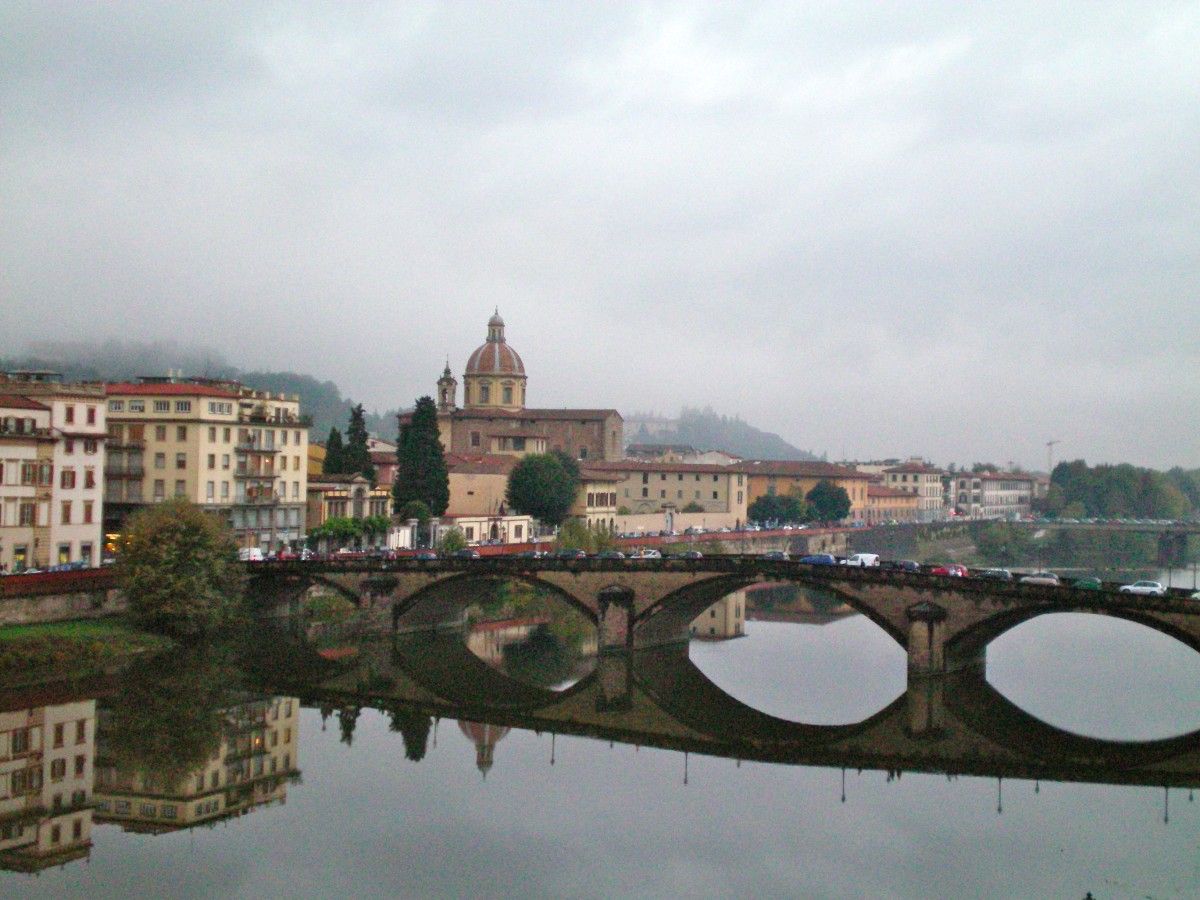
<point x="447" y="391"/>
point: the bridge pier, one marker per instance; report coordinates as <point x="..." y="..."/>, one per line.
<point x="614" y="678"/>
<point x="614" y="622"/>
<point x="926" y="703"/>
<point x="926" y="639"/>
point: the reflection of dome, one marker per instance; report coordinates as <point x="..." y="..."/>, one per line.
<point x="494" y="356"/>
<point x="485" y="736"/>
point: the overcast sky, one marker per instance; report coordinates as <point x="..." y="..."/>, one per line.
<point x="954" y="230"/>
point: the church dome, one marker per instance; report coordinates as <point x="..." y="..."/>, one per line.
<point x="494" y="356"/>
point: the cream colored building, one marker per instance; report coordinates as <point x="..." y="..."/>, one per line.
<point x="251" y="769"/>
<point x="925" y="482"/>
<point x="993" y="495"/>
<point x="237" y="452"/>
<point x="47" y="759"/>
<point x="52" y="460"/>
<point x="785" y="477"/>
<point x="646" y="486"/>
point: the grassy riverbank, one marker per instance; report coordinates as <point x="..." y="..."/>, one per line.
<point x="75" y="647"/>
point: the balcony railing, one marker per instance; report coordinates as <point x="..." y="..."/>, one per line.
<point x="264" y="498"/>
<point x="125" y="472"/>
<point x="264" y="476"/>
<point x="251" y="447"/>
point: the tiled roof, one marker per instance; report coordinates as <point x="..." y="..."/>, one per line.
<point x="16" y="401"/>
<point x="651" y="465"/>
<point x="486" y="464"/>
<point x="917" y="468"/>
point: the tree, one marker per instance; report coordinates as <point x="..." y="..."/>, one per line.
<point x="543" y="485"/>
<point x="451" y="541"/>
<point x="357" y="456"/>
<point x="421" y="472"/>
<point x="776" y="508"/>
<point x="179" y="569"/>
<point x="335" y="454"/>
<point x="829" y="503"/>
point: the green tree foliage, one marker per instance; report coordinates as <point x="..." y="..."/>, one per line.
<point x="777" y="508"/>
<point x="179" y="570"/>
<point x="827" y="502"/>
<point x="421" y="473"/>
<point x="543" y="485"/>
<point x="1003" y="544"/>
<point x="335" y="453"/>
<point x="357" y="456"/>
<point x="414" y="728"/>
<point x="451" y="541"/>
<point x="1118" y="491"/>
<point x="693" y="507"/>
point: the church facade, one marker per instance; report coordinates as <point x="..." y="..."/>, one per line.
<point x="494" y="419"/>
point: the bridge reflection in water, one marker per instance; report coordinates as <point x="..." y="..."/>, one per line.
<point x="657" y="697"/>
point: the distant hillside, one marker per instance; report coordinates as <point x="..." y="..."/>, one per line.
<point x="705" y="430"/>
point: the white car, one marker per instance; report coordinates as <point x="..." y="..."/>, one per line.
<point x="1146" y="588"/>
<point x="1046" y="578"/>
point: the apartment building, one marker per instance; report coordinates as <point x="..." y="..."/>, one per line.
<point x="237" y="452"/>
<point x="925" y="482"/>
<point x="646" y="486"/>
<point x="782" y="477"/>
<point x="52" y="457"/>
<point x="993" y="495"/>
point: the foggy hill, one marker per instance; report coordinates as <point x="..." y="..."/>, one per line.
<point x="706" y="430"/>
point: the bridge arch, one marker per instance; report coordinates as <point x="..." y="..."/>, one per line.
<point x="971" y="642"/>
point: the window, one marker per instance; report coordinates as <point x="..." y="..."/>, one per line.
<point x="80" y="766"/>
<point x="89" y="477"/>
<point x="91" y="415"/>
<point x="181" y="432"/>
<point x="226" y="436"/>
<point x="69" y="413"/>
<point x="81" y="731"/>
<point x="160" y="432"/>
<point x="90" y="446"/>
<point x="66" y="478"/>
<point x="116" y="405"/>
<point x="180" y="488"/>
<point x="224" y="460"/>
<point x="474" y="438"/>
<point x="210" y="492"/>
<point x="212" y="434"/>
<point x="181" y="460"/>
<point x="485" y="394"/>
<point x="224" y="490"/>
<point x="212" y="460"/>
<point x="58" y="769"/>
<point x="27" y="514"/>
<point x="508" y="395"/>
<point x="162" y="406"/>
<point x="68" y="446"/>
<point x="283" y="438"/>
<point x="60" y="733"/>
<point x="715" y="495"/>
<point x="77" y="830"/>
<point x="66" y="512"/>
<point x="137" y="405"/>
<point x="160" y="489"/>
<point x="160" y="460"/>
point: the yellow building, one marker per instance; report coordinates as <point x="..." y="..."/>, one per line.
<point x="648" y="486"/>
<point x="723" y="620"/>
<point x="237" y="452"/>
<point x="51" y="471"/>
<point x="785" y="477"/>
<point x="885" y="504"/>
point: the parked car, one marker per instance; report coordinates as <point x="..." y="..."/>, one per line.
<point x="819" y="559"/>
<point x="778" y="555"/>
<point x="952" y="569"/>
<point x="994" y="575"/>
<point x="571" y="553"/>
<point x="1145" y="588"/>
<point x="610" y="554"/>
<point x="466" y="553"/>
<point x="1046" y="578"/>
<point x="250" y="554"/>
<point x="862" y="560"/>
<point x="648" y="553"/>
<point x="426" y="554"/>
<point x="900" y="565"/>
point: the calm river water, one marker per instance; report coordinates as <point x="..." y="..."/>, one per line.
<point x="496" y="811"/>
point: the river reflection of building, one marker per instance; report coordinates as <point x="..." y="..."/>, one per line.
<point x="723" y="620"/>
<point x="793" y="603"/>
<point x="250" y="769"/>
<point x="46" y="764"/>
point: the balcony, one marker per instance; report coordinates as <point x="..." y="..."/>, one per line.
<point x="259" y="498"/>
<point x="125" y="472"/>
<point x="119" y="444"/>
<point x="255" y="448"/>
<point x="261" y="476"/>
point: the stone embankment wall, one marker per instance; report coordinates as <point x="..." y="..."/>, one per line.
<point x="59" y="596"/>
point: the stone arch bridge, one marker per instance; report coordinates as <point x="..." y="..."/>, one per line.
<point x="943" y="623"/>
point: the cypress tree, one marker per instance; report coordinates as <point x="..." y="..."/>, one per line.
<point x="335" y="454"/>
<point x="421" y="472"/>
<point x="357" y="456"/>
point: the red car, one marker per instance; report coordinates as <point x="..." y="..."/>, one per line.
<point x="953" y="569"/>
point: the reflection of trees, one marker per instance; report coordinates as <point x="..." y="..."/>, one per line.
<point x="167" y="717"/>
<point x="542" y="659"/>
<point x="347" y="721"/>
<point x="414" y="728"/>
